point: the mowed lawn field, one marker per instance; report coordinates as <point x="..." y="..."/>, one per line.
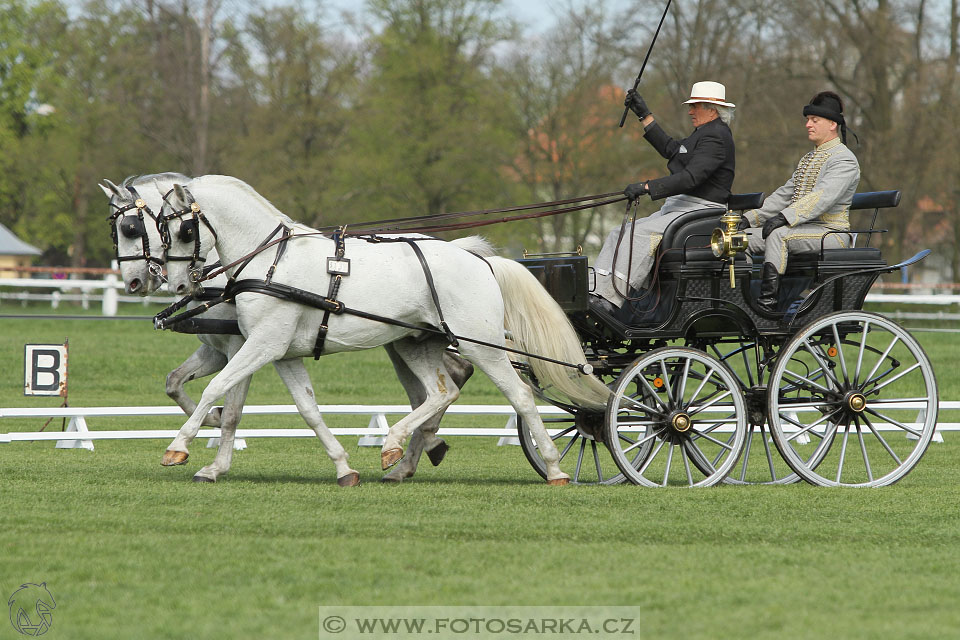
<point x="130" y="549"/>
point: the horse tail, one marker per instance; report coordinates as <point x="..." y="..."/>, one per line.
<point x="539" y="326"/>
<point x="477" y="245"/>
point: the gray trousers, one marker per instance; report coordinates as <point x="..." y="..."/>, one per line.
<point x="646" y="236"/>
<point x="786" y="240"/>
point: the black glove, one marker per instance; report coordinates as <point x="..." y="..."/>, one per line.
<point x="635" y="190"/>
<point x="773" y="224"/>
<point x="743" y="224"/>
<point x="636" y="104"/>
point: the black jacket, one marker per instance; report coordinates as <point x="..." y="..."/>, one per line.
<point x="701" y="165"/>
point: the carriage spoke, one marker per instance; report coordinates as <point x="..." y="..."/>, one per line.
<point x="766" y="449"/>
<point x="686" y="466"/>
<point x="863" y="348"/>
<point x="883" y="442"/>
<point x="893" y="379"/>
<point x="596" y="459"/>
<point x="573" y="441"/>
<point x="843" y="360"/>
<point x="880" y="360"/>
<point x="823" y="365"/>
<point x="703" y="382"/>
<point x="806" y="428"/>
<point x="746" y="455"/>
<point x="710" y="439"/>
<point x="894" y="422"/>
<point x="583" y="444"/>
<point x="667" y="384"/>
<point x="653" y="455"/>
<point x="843" y="452"/>
<point x="683" y="381"/>
<point x="863" y="450"/>
<point x="811" y="385"/>
<point x="666" y="472"/>
<point x="694" y="411"/>
<point x="643" y="441"/>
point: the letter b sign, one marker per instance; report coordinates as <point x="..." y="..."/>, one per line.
<point x="45" y="370"/>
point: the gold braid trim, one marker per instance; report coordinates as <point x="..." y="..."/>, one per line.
<point x="787" y="237"/>
<point x="655" y="239"/>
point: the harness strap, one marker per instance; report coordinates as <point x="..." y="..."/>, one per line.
<point x="281" y="247"/>
<point x="311" y="299"/>
<point x="339" y="239"/>
<point x="433" y="291"/>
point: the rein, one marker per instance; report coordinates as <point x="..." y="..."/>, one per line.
<point x="402" y="224"/>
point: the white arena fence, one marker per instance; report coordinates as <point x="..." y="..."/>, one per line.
<point x="108" y="293"/>
<point x="78" y="435"/>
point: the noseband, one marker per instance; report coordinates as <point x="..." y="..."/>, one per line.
<point x="189" y="230"/>
<point x="132" y="226"/>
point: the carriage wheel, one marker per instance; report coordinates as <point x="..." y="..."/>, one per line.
<point x="760" y="463"/>
<point x="862" y="390"/>
<point x="676" y="418"/>
<point x="579" y="439"/>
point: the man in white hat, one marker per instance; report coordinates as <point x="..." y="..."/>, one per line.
<point x="701" y="175"/>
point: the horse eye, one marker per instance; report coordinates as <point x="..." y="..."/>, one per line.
<point x="132" y="227"/>
<point x="187" y="231"/>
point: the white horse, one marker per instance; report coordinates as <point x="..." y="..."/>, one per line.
<point x="140" y="254"/>
<point x="387" y="279"/>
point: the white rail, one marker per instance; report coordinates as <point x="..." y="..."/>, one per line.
<point x="78" y="435"/>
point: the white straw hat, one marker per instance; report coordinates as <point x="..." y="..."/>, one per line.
<point x="709" y="93"/>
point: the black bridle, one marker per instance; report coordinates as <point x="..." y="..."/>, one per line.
<point x="132" y="226"/>
<point x="189" y="231"/>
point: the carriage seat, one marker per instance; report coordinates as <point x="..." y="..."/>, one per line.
<point x="875" y="200"/>
<point x="695" y="227"/>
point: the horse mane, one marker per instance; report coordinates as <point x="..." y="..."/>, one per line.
<point x="230" y="181"/>
<point x="172" y="176"/>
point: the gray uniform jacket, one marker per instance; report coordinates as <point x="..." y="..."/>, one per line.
<point x="819" y="192"/>
<point x="814" y="201"/>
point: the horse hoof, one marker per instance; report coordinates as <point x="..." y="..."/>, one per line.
<point x="389" y="479"/>
<point x="203" y="479"/>
<point x="558" y="482"/>
<point x="437" y="454"/>
<point x="390" y="457"/>
<point x="349" y="480"/>
<point x="174" y="458"/>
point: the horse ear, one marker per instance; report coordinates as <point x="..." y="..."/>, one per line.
<point x="110" y="189"/>
<point x="181" y="194"/>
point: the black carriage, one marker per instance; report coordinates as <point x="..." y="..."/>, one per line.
<point x="707" y="387"/>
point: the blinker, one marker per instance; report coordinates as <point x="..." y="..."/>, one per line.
<point x="188" y="230"/>
<point x="132" y="227"/>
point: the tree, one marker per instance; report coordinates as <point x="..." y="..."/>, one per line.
<point x="429" y="133"/>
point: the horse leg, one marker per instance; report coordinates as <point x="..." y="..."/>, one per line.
<point x="425" y="361"/>
<point x="203" y="362"/>
<point x="423" y="438"/>
<point x="295" y="376"/>
<point x="496" y="365"/>
<point x="229" y="419"/>
<point x="259" y="349"/>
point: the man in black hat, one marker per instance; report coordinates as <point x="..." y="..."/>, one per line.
<point x="815" y="200"/>
<point x="701" y="174"/>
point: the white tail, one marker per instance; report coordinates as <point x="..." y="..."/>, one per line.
<point x="477" y="245"/>
<point x="540" y="326"/>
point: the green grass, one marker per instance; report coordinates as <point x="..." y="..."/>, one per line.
<point x="134" y="550"/>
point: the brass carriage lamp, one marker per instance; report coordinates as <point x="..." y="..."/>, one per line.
<point x="727" y="243"/>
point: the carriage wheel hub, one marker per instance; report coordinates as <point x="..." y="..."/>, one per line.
<point x="681" y="422"/>
<point x="856" y="402"/>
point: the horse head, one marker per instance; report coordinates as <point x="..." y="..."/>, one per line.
<point x="188" y="238"/>
<point x="133" y="226"/>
